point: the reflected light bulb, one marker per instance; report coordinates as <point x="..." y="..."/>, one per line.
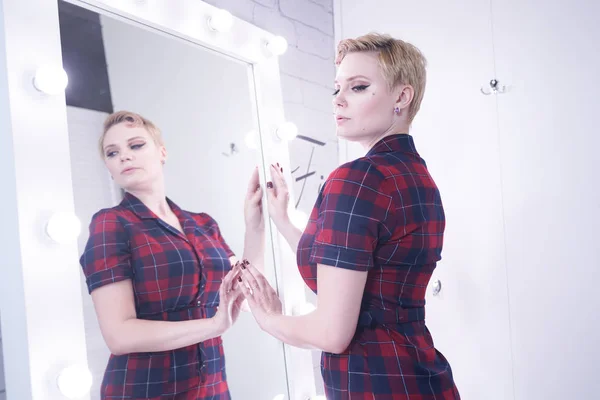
<point x="279" y="397"/>
<point x="220" y="21"/>
<point x="277" y="45"/>
<point x="299" y="219"/>
<point x="287" y="131"/>
<point x="50" y="79"/>
<point x="74" y="381"/>
<point x="251" y="140"/>
<point x="63" y="227"/>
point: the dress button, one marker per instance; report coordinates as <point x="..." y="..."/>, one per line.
<point x="198" y="302"/>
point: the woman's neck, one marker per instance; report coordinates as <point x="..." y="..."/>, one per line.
<point x="155" y="199"/>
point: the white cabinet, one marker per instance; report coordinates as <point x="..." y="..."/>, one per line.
<point x="548" y="53"/>
<point x="517" y="172"/>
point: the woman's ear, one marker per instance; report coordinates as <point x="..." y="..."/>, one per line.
<point x="163" y="154"/>
<point x="404" y="96"/>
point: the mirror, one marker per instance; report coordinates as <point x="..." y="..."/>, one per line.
<point x="203" y="103"/>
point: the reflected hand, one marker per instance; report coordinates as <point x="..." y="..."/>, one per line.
<point x="231" y="298"/>
<point x="261" y="297"/>
<point x="278" y="198"/>
<point x="253" y="210"/>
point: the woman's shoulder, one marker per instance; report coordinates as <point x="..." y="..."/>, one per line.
<point x="364" y="170"/>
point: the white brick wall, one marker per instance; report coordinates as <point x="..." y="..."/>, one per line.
<point x="307" y="74"/>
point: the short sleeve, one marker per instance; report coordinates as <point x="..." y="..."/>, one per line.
<point x="354" y="213"/>
<point x="107" y="257"/>
<point x="213" y="229"/>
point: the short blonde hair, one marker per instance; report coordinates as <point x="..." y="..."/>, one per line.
<point x="400" y="62"/>
<point x="131" y="119"/>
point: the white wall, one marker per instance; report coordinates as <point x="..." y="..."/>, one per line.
<point x="2" y="386"/>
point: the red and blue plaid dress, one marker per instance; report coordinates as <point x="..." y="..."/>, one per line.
<point x="175" y="277"/>
<point x="382" y="213"/>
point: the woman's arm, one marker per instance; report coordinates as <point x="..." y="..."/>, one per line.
<point x="331" y="326"/>
<point x="254" y="247"/>
<point x="291" y="234"/>
<point x="124" y="333"/>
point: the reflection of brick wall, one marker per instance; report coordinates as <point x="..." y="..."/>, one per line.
<point x="307" y="74"/>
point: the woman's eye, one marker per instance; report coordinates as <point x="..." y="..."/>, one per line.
<point x="360" y="88"/>
<point x="336" y="92"/>
<point x="137" y="146"/>
<point x="111" y="154"/>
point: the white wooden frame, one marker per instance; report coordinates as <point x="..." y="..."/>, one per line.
<point x="40" y="298"/>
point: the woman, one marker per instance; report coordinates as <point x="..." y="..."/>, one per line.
<point x="160" y="277"/>
<point x="372" y="241"/>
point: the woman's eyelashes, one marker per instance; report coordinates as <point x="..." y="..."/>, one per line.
<point x="358" y="88"/>
<point x="135" y="146"/>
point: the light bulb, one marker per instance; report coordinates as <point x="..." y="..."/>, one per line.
<point x="50" y="79"/>
<point x="277" y="45"/>
<point x="63" y="227"/>
<point x="299" y="219"/>
<point x="279" y="397"/>
<point x="287" y="131"/>
<point x="220" y="21"/>
<point x="251" y="140"/>
<point x="74" y="381"/>
<point x="303" y="309"/>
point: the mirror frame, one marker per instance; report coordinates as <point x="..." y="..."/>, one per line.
<point x="35" y="173"/>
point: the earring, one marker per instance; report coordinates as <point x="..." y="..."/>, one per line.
<point x="397" y="110"/>
<point x="163" y="162"/>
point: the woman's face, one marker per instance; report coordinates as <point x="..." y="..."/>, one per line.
<point x="363" y="104"/>
<point x="132" y="157"/>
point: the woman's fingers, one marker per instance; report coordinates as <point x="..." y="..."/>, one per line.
<point x="250" y="279"/>
<point x="254" y="183"/>
<point x="260" y="279"/>
<point x="278" y="178"/>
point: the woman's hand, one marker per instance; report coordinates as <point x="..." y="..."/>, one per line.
<point x="278" y="197"/>
<point x="230" y="300"/>
<point x="253" y="210"/>
<point x="261" y="297"/>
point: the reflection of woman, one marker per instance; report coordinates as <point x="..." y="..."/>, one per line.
<point x="154" y="272"/>
<point x="372" y="242"/>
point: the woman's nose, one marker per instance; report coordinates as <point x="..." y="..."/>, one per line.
<point x="338" y="100"/>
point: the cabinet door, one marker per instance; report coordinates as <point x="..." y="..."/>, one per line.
<point x="456" y="133"/>
<point x="548" y="53"/>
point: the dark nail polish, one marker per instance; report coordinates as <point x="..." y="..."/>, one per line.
<point x="239" y="278"/>
<point x="282" y="169"/>
<point x="270" y="185"/>
<point x="243" y="266"/>
<point x="278" y="165"/>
